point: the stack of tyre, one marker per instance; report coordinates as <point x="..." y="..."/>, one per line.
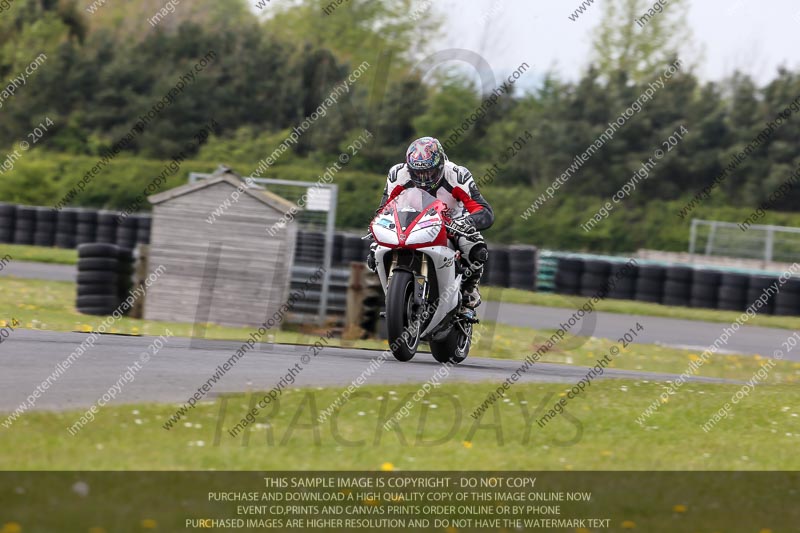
<point x="650" y="283"/>
<point x="678" y="286"/>
<point x="354" y="248"/>
<point x="622" y="281"/>
<point x="568" y="277"/>
<point x="69" y="227"/>
<point x="497" y="267"/>
<point x="45" y="227"/>
<point x="787" y="301"/>
<point x="7" y="216"/>
<point x="24" y="224"/>
<point x="126" y="232"/>
<point x="522" y="267"/>
<point x="732" y="292"/>
<point x="594" y="277"/>
<point x="759" y="285"/>
<point x="104" y="277"/>
<point x="66" y="228"/>
<point x="86" y="226"/>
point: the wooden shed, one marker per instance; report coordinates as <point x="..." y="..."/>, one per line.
<point x="220" y="263"/>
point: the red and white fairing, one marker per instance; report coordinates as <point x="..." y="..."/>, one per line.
<point x="415" y="220"/>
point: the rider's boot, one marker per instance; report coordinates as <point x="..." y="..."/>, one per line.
<point x="471" y="295"/>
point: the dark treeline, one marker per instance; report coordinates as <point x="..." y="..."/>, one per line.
<point x="103" y="72"/>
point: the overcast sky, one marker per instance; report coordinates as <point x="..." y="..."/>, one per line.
<point x="755" y="36"/>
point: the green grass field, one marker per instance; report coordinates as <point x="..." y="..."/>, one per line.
<point x="39" y="254"/>
<point x="598" y="432"/>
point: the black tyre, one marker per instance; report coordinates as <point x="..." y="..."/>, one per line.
<point x="85" y="235"/>
<point x="622" y="281"/>
<point x="571" y="264"/>
<point x="522" y="267"/>
<point x="522" y="280"/>
<point x="403" y="333"/>
<point x="352" y="249"/>
<point x="760" y="286"/>
<point x="455" y="347"/>
<point x="734" y="279"/>
<point x="107" y="226"/>
<point x="45" y="215"/>
<point x="98" y="250"/>
<point x="568" y="282"/>
<point x="499" y="274"/>
<point x="787" y="302"/>
<point x="8" y="210"/>
<point x="675" y="300"/>
<point x="597" y="267"/>
<point x="98" y="263"/>
<point x="96" y="311"/>
<point x="98" y="276"/>
<point x="94" y="289"/>
<point x="732" y="296"/>
<point x="44" y="238"/>
<point x="143" y="225"/>
<point x="593" y="284"/>
<point x="65" y="240"/>
<point x="680" y="273"/>
<point x="707" y="277"/>
<point x="6" y="229"/>
<point x="338" y="249"/>
<point x="677" y="293"/>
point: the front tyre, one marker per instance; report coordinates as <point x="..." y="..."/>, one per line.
<point x="402" y="324"/>
<point x="455" y="347"/>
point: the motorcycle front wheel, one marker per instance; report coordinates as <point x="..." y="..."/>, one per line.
<point x="401" y="323"/>
<point x="454" y="348"/>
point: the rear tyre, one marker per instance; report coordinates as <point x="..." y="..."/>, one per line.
<point x="401" y="325"/>
<point x="455" y="347"/>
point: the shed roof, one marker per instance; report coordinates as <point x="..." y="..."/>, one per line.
<point x="268" y="198"/>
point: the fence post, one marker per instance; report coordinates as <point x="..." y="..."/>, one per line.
<point x="710" y="242"/>
<point x="769" y="243"/>
<point x="693" y="238"/>
<point x="355" y="302"/>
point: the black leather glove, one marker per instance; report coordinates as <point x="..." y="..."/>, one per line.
<point x="464" y="225"/>
<point x="372" y="264"/>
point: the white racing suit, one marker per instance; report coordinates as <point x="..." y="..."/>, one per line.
<point x="457" y="189"/>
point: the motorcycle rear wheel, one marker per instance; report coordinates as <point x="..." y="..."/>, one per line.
<point x="401" y="325"/>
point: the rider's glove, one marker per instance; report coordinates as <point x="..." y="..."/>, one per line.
<point x="372" y="264"/>
<point x="464" y="225"/>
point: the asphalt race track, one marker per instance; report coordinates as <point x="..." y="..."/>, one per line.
<point x="175" y="373"/>
<point x="677" y="333"/>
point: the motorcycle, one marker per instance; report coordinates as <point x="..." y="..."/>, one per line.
<point x="421" y="273"/>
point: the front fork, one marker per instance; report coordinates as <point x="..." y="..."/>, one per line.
<point x="420" y="280"/>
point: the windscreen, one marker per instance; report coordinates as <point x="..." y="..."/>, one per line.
<point x="410" y="204"/>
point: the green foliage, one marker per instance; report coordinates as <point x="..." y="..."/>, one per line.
<point x="270" y="73"/>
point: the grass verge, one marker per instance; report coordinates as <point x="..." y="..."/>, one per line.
<point x="39" y="254"/>
<point x="597" y="432"/>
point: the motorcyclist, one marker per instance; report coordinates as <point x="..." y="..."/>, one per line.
<point x="428" y="168"/>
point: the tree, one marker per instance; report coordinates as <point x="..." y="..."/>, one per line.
<point x="621" y="43"/>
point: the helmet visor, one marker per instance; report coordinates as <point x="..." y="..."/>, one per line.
<point x="426" y="178"/>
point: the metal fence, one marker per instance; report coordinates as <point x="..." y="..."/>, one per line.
<point x="315" y="223"/>
<point x="725" y="239"/>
